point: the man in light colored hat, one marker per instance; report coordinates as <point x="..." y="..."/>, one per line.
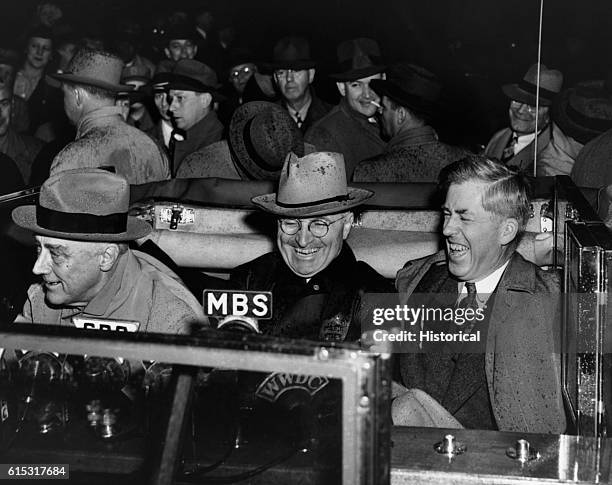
<point x="88" y="272"/>
<point x="515" y="145"/>
<point x="260" y="136"/>
<point x="409" y="103"/>
<point x="192" y="90"/>
<point x="294" y="72"/>
<point x="351" y="127"/>
<point x="103" y="138"/>
<point x="316" y="282"/>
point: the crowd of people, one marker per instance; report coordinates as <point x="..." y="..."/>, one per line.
<point x="86" y="117"/>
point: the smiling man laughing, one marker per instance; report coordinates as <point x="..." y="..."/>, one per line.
<point x="513" y="384"/>
<point x="316" y="282"/>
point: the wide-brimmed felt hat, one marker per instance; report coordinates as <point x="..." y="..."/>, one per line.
<point x="358" y="58"/>
<point x="314" y="185"/>
<point x="88" y="204"/>
<point x="584" y="111"/>
<point x="261" y="134"/>
<point x="525" y="91"/>
<point x="192" y="75"/>
<point x="291" y="53"/>
<point x="411" y="86"/>
<point x="94" y="68"/>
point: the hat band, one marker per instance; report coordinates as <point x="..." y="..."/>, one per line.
<point x="532" y="89"/>
<point x="360" y="63"/>
<point x="81" y="223"/>
<point x="186" y="83"/>
<point x="338" y="198"/>
<point x="586" y="122"/>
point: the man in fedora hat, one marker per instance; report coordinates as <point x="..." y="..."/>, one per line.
<point x="316" y="282"/>
<point x="82" y="230"/>
<point x="103" y="138"/>
<point x="294" y="72"/>
<point x="515" y="145"/>
<point x="409" y="102"/>
<point x="192" y="88"/>
<point x="180" y="42"/>
<point x="350" y="127"/>
<point x="261" y="134"/>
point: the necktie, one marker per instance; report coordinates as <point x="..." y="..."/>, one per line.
<point x="469" y="301"/>
<point x="508" y="152"/>
<point x="298" y="119"/>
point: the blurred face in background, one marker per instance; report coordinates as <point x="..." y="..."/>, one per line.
<point x="523" y="117"/>
<point x="38" y="52"/>
<point x="359" y="95"/>
<point x="181" y="49"/>
<point x="240" y="75"/>
<point x="65" y="53"/>
<point x="6" y="103"/>
<point x="162" y="104"/>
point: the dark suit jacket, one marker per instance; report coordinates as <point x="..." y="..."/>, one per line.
<point x="317" y="110"/>
<point x="522" y="360"/>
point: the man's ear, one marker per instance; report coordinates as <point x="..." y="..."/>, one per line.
<point x="206" y="99"/>
<point x="508" y="230"/>
<point x="342" y="88"/>
<point x="347" y="224"/>
<point x="108" y="257"/>
<point x="78" y="95"/>
<point x="311" y="75"/>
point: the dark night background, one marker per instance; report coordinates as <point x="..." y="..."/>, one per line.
<point x="474" y="46"/>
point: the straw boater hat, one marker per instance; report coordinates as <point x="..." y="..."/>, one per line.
<point x="88" y="204"/>
<point x="261" y="134"/>
<point x="314" y="185"/>
<point x="525" y="91"/>
<point x="94" y="68"/>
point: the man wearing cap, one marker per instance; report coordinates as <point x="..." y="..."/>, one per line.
<point x="162" y="130"/>
<point x="317" y="284"/>
<point x="409" y="102"/>
<point x="103" y="138"/>
<point x="294" y="72"/>
<point x="181" y="43"/>
<point x="350" y="127"/>
<point x="515" y="145"/>
<point x="192" y="89"/>
<point x="260" y="136"/>
<point x="88" y="271"/>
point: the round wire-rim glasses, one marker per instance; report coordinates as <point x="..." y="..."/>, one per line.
<point x="317" y="227"/>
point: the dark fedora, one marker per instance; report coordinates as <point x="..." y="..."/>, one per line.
<point x="525" y="91"/>
<point x="180" y="31"/>
<point x="358" y="58"/>
<point x="261" y="134"/>
<point x="314" y="185"/>
<point x="88" y="204"/>
<point x="291" y="53"/>
<point x="584" y="111"/>
<point x="411" y="86"/>
<point x="94" y="68"/>
<point x="192" y="75"/>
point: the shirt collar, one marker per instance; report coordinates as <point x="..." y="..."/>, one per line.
<point x="101" y="303"/>
<point x="486" y="285"/>
<point x="303" y="112"/>
<point x="98" y="117"/>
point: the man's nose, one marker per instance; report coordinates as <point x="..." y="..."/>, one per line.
<point x="304" y="236"/>
<point x="290" y="75"/>
<point x="524" y="109"/>
<point x="450" y="226"/>
<point x="172" y="105"/>
<point x="42" y="265"/>
<point x="367" y="92"/>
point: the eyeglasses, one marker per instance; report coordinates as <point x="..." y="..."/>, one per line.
<point x="518" y="105"/>
<point x="317" y="227"/>
<point x="238" y="72"/>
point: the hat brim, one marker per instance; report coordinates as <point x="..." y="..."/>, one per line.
<point x="244" y="154"/>
<point x="413" y="102"/>
<point x="355" y="198"/>
<point x="71" y="78"/>
<point x="573" y="127"/>
<point x="355" y="74"/>
<point x="25" y="216"/>
<point x="513" y="91"/>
